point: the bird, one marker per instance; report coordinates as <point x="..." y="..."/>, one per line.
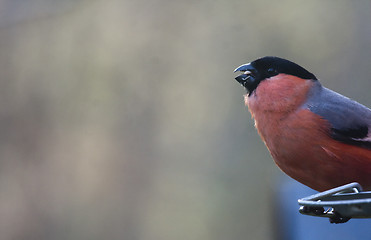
<point x="315" y="135"/>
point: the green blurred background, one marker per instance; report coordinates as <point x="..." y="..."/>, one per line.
<point x="122" y="119"/>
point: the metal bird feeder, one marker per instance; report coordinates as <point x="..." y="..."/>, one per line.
<point x="338" y="204"/>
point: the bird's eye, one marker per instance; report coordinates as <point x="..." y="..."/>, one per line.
<point x="271" y="70"/>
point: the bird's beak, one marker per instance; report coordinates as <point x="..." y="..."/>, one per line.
<point x="247" y="77"/>
<point x="244" y="68"/>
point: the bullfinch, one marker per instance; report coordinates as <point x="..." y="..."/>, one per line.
<point x="315" y="135"/>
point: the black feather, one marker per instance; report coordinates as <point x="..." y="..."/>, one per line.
<point x="270" y="66"/>
<point x="352" y="136"/>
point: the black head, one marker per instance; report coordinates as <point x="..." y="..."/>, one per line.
<point x="266" y="67"/>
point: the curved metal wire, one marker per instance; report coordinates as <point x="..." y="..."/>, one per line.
<point x="338" y="204"/>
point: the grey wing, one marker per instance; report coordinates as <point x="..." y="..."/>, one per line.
<point x="350" y="121"/>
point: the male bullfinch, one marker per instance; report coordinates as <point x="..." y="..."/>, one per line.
<point x="315" y="135"/>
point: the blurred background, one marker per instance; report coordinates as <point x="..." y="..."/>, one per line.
<point x="122" y="119"/>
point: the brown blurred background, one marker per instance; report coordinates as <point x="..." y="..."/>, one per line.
<point x="122" y="119"/>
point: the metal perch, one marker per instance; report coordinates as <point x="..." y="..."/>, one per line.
<point x="338" y="204"/>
